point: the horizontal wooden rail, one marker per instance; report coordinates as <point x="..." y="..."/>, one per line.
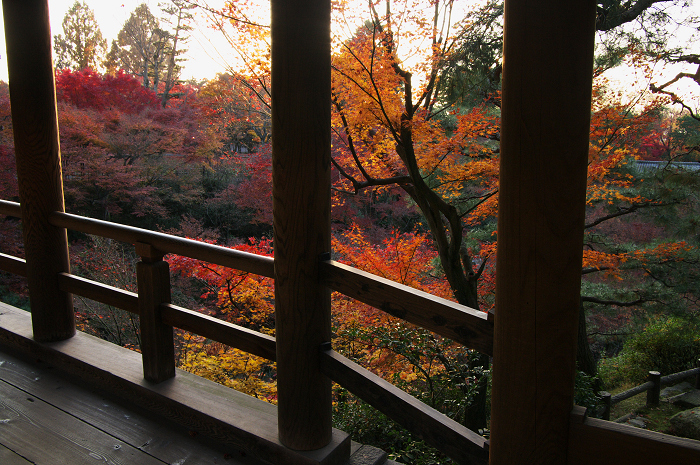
<point x="13" y="265"/>
<point x="672" y="378"/>
<point x="469" y="327"/>
<point x="10" y="209"/>
<point x="631" y="392"/>
<point x="212" y="328"/>
<point x="606" y="443"/>
<point x="99" y="292"/>
<point x="227" y="333"/>
<point x="438" y="430"/>
<point x="652" y="388"/>
<point x="166" y="243"/>
<point x="664" y="380"/>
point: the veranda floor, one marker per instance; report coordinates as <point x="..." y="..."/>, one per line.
<point x="46" y="419"/>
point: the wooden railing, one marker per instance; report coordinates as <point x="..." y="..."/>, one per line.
<point x="469" y="327"/>
<point x="652" y="387"/>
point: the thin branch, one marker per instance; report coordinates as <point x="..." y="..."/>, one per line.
<point x="617" y="303"/>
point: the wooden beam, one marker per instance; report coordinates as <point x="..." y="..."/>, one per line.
<point x="548" y="58"/>
<point x="13" y="265"/>
<point x="203" y="406"/>
<point x="471" y="328"/>
<point x="438" y="430"/>
<point x="99" y="292"/>
<point x="301" y="206"/>
<point x="35" y="124"/>
<point x="211" y="253"/>
<point x="218" y="330"/>
<point x="606" y="443"/>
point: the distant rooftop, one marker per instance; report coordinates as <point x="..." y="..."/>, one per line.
<point x="660" y="164"/>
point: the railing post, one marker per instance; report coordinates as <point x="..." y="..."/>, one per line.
<point x="607" y="404"/>
<point x="34" y="120"/>
<point x="301" y="205"/>
<point x="654" y="392"/>
<point x="157" y="345"/>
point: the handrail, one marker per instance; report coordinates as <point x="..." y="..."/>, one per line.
<point x="211" y="253"/>
<point x="462" y="324"/>
<point x="469" y="327"/>
<point x="8" y="208"/>
<point x="435" y="428"/>
<point x="652" y="387"/>
<point x="103" y="293"/>
<point x="245" y="339"/>
<point x="606" y="443"/>
<point x="212" y="328"/>
<point x="13" y="265"/>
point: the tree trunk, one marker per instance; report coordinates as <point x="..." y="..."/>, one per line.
<point x="584" y="355"/>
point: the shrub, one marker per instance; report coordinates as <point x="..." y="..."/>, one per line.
<point x="668" y="345"/>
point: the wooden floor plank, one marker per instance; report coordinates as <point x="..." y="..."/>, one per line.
<point x="45" y="434"/>
<point x="224" y="415"/>
<point x="160" y="438"/>
<point x="7" y="457"/>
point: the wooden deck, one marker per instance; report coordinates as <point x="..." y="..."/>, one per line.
<point x="51" y="411"/>
<point x="46" y="419"/>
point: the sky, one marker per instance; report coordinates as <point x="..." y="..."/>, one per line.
<point x="203" y="60"/>
<point x="208" y="51"/>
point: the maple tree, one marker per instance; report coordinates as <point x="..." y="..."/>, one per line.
<point x="10" y="231"/>
<point x="405" y="132"/>
<point x="636" y="262"/>
<point x="123" y="153"/>
<point x="238" y="109"/>
<point x="237" y="297"/>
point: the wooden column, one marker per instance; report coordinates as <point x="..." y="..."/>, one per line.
<point x="33" y="100"/>
<point x="157" y="345"/>
<point x="301" y="206"/>
<point x="548" y="61"/>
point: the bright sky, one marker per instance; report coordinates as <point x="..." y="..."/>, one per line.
<point x="208" y="53"/>
<point x="203" y="60"/>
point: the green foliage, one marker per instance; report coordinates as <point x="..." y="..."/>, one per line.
<point x="11" y="297"/>
<point x="668" y="345"/>
<point x="585" y="389"/>
<point x="368" y="426"/>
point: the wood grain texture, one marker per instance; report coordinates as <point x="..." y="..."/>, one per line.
<point x="467" y="326"/>
<point x="211" y="253"/>
<point x="546" y="104"/>
<point x="8" y="457"/>
<point x="212" y="328"/>
<point x="301" y="209"/>
<point x="452" y="438"/>
<point x="10" y="208"/>
<point x="153" y="435"/>
<point x="213" y="410"/>
<point x="606" y="443"/>
<point x="37" y="153"/>
<point x="13" y="265"/>
<point x="157" y="342"/>
<point x="227" y="333"/>
<point x="99" y="292"/>
<point x="27" y="422"/>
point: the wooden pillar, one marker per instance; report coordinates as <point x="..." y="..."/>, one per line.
<point x="547" y="73"/>
<point x="301" y="206"/>
<point x="34" y="119"/>
<point x="157" y="344"/>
